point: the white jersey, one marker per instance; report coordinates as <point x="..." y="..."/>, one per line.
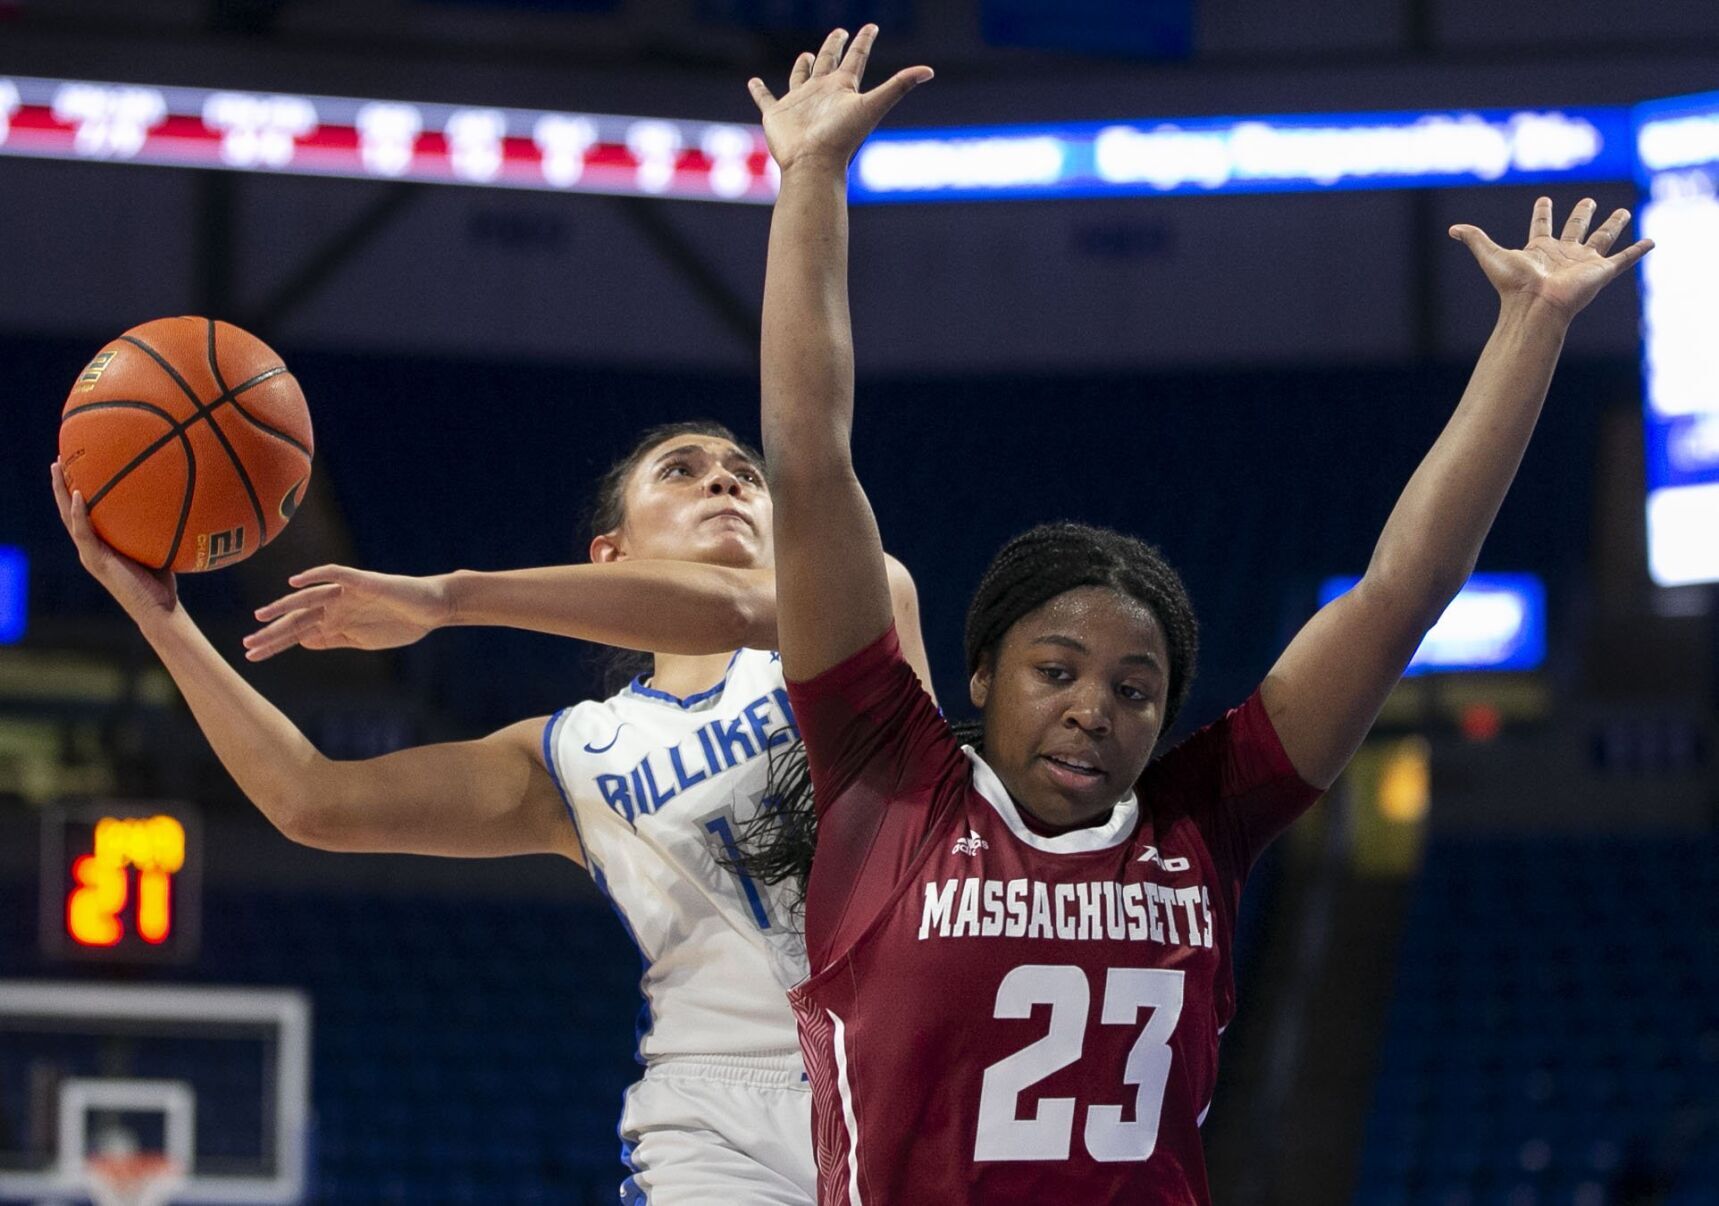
<point x="658" y="788"/>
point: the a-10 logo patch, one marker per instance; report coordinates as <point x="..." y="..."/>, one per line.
<point x="217" y="548"/>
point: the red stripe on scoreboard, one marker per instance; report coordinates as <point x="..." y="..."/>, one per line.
<point x="384" y="140"/>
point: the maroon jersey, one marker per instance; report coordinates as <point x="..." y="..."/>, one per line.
<point x="996" y="1015"/>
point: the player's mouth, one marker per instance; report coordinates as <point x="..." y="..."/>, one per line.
<point x="1073" y="772"/>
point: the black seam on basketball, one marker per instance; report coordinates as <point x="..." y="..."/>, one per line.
<point x="244" y="387"/>
<point x="166" y="367"/>
<point x="227" y="445"/>
<point x="179" y="428"/>
<point x="248" y="417"/>
<point x="135" y="403"/>
<point x="226" y="395"/>
<point x="173" y="430"/>
<point x="185" y="505"/>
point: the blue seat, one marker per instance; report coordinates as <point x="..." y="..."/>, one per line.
<point x="1537" y="1029"/>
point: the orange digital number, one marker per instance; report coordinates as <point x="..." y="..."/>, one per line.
<point x="155" y="846"/>
<point x="92" y="911"/>
<point x="154" y="906"/>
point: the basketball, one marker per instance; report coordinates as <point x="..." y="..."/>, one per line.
<point x="190" y="442"/>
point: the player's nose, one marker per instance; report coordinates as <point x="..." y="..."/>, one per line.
<point x="1090" y="715"/>
<point x="723" y="482"/>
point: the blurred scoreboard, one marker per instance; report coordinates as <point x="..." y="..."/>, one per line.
<point x="1677" y="149"/>
<point x="387" y="140"/>
<point x="121" y="883"/>
<point x="712" y="161"/>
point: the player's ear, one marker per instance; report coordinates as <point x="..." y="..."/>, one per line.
<point x="979" y="686"/>
<point x="607" y="548"/>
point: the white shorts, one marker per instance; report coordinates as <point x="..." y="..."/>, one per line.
<point x="712" y="1129"/>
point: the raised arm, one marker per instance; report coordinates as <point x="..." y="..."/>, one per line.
<point x="656" y="606"/>
<point x="474" y="798"/>
<point x="651" y="605"/>
<point x="833" y="594"/>
<point x="1327" y="688"/>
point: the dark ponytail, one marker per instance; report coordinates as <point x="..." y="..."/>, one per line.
<point x="775" y="846"/>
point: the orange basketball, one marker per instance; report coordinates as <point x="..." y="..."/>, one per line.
<point x="190" y="442"/>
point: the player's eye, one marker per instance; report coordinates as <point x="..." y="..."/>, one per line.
<point x="1056" y="674"/>
<point x="674" y="467"/>
<point x="750" y="475"/>
<point x="1134" y="693"/>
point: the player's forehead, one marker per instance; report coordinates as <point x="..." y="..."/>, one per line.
<point x="691" y="446"/>
<point x="1093" y="620"/>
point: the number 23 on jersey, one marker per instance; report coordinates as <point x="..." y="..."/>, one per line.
<point x="1048" y="1134"/>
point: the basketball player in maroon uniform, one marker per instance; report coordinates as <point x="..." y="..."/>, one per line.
<point x="1020" y="957"/>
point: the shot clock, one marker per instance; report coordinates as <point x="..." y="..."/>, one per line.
<point x="121" y="882"/>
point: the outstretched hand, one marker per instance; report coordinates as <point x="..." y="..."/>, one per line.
<point x="1565" y="273"/>
<point x="824" y="115"/>
<point x="137" y="588"/>
<point x="337" y="607"/>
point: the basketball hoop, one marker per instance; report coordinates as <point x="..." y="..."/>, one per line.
<point x="132" y="1178"/>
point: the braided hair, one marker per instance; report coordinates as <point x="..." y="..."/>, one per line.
<point x="1054" y="558"/>
<point x="618" y="667"/>
<point x="1029" y="571"/>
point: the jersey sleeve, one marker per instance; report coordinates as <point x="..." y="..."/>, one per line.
<point x="885" y="768"/>
<point x="870" y="729"/>
<point x="1238" y="785"/>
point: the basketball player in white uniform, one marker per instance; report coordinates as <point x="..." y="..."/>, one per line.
<point x="646" y="789"/>
<point x="655" y="783"/>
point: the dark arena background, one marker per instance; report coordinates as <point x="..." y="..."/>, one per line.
<point x="1173" y="266"/>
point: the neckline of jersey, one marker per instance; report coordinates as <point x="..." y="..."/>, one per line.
<point x="639" y="687"/>
<point x="1114" y="832"/>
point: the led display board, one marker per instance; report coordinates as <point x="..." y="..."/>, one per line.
<point x="597" y="153"/>
<point x="1203" y="156"/>
<point x="121" y="883"/>
<point x="1677" y="150"/>
<point x="1496" y="622"/>
<point x="14" y="593"/>
<point x="384" y="140"/>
